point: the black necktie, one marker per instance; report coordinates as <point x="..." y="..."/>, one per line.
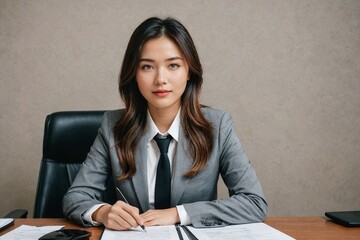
<point x="163" y="174"/>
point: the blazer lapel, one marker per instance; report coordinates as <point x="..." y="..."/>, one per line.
<point x="140" y="178"/>
<point x="182" y="163"/>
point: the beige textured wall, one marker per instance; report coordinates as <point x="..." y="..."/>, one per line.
<point x="288" y="71"/>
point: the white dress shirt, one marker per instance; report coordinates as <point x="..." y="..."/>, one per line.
<point x="153" y="154"/>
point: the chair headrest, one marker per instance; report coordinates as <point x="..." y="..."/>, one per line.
<point x="68" y="136"/>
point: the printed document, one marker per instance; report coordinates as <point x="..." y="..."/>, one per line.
<point x="252" y="231"/>
<point x="26" y="232"/>
<point x="156" y="232"/>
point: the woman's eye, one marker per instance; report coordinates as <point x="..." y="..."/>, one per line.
<point x="146" y="67"/>
<point x="173" y="66"/>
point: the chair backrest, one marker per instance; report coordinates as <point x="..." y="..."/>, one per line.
<point x="68" y="137"/>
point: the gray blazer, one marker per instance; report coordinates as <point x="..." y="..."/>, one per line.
<point x="197" y="194"/>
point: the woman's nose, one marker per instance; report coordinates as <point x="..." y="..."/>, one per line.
<point x="160" y="77"/>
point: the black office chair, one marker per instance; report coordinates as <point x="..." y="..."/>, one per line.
<point x="68" y="137"/>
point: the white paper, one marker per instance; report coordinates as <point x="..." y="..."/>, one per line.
<point x="252" y="231"/>
<point x="26" y="232"/>
<point x="156" y="232"/>
<point x="5" y="221"/>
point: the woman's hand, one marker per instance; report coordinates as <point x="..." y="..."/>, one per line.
<point x="168" y="216"/>
<point x="120" y="216"/>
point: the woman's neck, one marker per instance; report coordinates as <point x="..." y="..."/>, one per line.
<point x="163" y="119"/>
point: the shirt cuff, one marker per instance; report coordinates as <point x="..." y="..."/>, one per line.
<point x="183" y="215"/>
<point x="87" y="215"/>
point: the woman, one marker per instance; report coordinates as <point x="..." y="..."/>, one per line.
<point x="160" y="83"/>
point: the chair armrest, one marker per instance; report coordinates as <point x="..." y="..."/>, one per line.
<point x="18" y="213"/>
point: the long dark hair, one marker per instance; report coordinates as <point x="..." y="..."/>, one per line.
<point x="131" y="125"/>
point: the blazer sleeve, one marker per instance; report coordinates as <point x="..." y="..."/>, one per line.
<point x="246" y="202"/>
<point x="90" y="182"/>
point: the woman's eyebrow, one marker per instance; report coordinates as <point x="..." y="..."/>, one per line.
<point x="146" y="60"/>
<point x="173" y="58"/>
<point x="167" y="60"/>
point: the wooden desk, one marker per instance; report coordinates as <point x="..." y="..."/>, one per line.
<point x="300" y="228"/>
<point x="314" y="228"/>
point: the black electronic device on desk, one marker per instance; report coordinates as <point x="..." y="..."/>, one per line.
<point x="67" y="234"/>
<point x="345" y="218"/>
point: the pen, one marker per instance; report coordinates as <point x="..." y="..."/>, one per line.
<point x="122" y="195"/>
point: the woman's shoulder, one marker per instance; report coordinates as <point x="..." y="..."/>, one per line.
<point x="213" y="114"/>
<point x="113" y="116"/>
<point x="220" y="120"/>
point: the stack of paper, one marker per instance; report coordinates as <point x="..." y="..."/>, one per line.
<point x="245" y="231"/>
<point x="5" y="222"/>
<point x="252" y="231"/>
<point x="26" y="232"/>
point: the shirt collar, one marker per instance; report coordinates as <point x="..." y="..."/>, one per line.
<point x="152" y="129"/>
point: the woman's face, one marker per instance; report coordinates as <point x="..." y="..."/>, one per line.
<point x="162" y="74"/>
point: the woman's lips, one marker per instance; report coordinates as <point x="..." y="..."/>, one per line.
<point x="161" y="93"/>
